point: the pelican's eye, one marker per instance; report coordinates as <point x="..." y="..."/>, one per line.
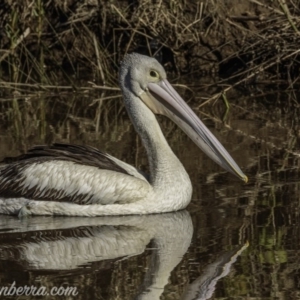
<point x="154" y="74"/>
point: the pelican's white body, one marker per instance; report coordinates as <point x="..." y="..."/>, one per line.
<point x="112" y="193"/>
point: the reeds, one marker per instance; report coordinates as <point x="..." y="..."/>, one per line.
<point x="55" y="46"/>
<point x="54" y="41"/>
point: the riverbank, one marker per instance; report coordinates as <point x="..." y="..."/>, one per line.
<point x="56" y="41"/>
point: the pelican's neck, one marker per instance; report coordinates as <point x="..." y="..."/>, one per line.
<point x="164" y="165"/>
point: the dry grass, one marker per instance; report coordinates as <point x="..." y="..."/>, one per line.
<point x="56" y="46"/>
<point x="45" y="42"/>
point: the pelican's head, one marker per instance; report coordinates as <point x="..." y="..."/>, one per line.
<point x="146" y="78"/>
<point x="137" y="71"/>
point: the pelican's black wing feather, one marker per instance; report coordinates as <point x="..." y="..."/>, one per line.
<point x="84" y="155"/>
<point x="12" y="178"/>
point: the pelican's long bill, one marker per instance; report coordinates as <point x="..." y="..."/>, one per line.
<point x="161" y="98"/>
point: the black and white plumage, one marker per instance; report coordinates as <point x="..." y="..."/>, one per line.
<point x="79" y="180"/>
<point x="13" y="178"/>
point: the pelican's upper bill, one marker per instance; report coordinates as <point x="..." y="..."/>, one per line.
<point x="83" y="181"/>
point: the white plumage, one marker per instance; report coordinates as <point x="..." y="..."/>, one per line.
<point x="82" y="181"/>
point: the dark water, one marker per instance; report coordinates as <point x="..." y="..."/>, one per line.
<point x="235" y="240"/>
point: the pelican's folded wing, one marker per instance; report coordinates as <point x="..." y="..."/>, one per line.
<point x="78" y="174"/>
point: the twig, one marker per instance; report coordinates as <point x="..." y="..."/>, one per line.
<point x="267" y="6"/>
<point x="285" y="9"/>
<point x="98" y="59"/>
<point x="57" y="87"/>
<point x="19" y="41"/>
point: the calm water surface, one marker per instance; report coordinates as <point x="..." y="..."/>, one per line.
<point x="235" y="240"/>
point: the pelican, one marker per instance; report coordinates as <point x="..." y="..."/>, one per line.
<point x="82" y="181"/>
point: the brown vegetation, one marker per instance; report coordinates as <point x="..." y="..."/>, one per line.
<point x="55" y="56"/>
<point x="45" y="42"/>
